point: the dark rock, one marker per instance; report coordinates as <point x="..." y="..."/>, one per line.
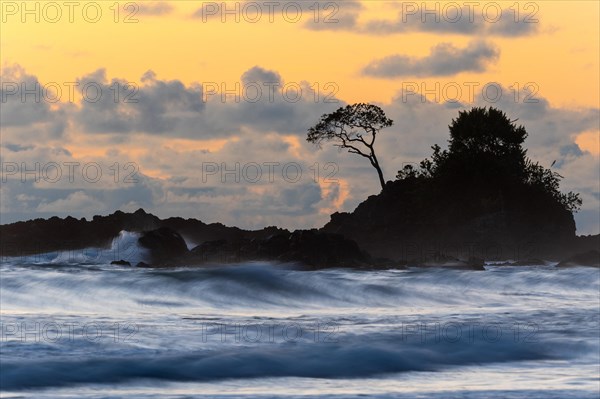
<point x="392" y="226"/>
<point x="386" y="264"/>
<point x="56" y="234"/>
<point x="215" y="251"/>
<point x="434" y="260"/>
<point x="590" y="258"/>
<point x="308" y="247"/>
<point x="323" y="250"/>
<point x="142" y="264"/>
<point x="530" y="262"/>
<point x="210" y="246"/>
<point x="410" y="218"/>
<point x="476" y="263"/>
<point x="120" y="262"/>
<point x="164" y="244"/>
<point x="274" y="245"/>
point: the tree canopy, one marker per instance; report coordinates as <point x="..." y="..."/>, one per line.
<point x="485" y="151"/>
<point x="353" y="127"/>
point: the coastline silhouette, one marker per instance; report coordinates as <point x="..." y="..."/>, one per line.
<point x="480" y="199"/>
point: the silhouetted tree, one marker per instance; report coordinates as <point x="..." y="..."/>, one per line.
<point x="486" y="142"/>
<point x="549" y="181"/>
<point x="485" y="150"/>
<point x="355" y="128"/>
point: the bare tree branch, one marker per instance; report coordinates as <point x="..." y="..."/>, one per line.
<point x="341" y="127"/>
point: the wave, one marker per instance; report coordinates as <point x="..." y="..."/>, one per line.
<point x="263" y="285"/>
<point x="124" y="246"/>
<point x="554" y="311"/>
<point x="356" y="357"/>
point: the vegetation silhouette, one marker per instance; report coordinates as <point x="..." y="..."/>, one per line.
<point x="485" y="151"/>
<point x="482" y="191"/>
<point x="353" y="127"/>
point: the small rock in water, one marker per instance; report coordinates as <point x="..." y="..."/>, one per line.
<point x="120" y="262"/>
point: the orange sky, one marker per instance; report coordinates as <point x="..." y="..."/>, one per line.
<point x="562" y="58"/>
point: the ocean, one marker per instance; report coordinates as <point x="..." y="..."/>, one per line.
<point x="75" y="326"/>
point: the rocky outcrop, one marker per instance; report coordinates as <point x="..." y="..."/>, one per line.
<point x="318" y="249"/>
<point x="164" y="244"/>
<point x="589" y="258"/>
<point x="307" y="247"/>
<point x="412" y="220"/>
<point x="120" y="263"/>
<point x="390" y="226"/>
<point x="58" y="234"/>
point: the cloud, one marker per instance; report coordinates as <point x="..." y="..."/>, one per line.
<point x="30" y="108"/>
<point x="333" y="15"/>
<point x="439" y="18"/>
<point x="78" y="200"/>
<point x="260" y="101"/>
<point x="444" y="60"/>
<point x="17" y="147"/>
<point x="258" y="74"/>
<point x="150" y="8"/>
<point x="315" y="15"/>
<point x="172" y="150"/>
<point x="264" y="101"/>
<point x="119" y="106"/>
<point x="232" y="195"/>
<point x="450" y="19"/>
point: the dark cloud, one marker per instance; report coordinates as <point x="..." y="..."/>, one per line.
<point x="57" y="190"/>
<point x="151" y="8"/>
<point x="444" y="60"/>
<point x="267" y="103"/>
<point x="453" y="20"/>
<point x="571" y="149"/>
<point x="297" y="199"/>
<point x="30" y="107"/>
<point x="157" y="107"/>
<point x="567" y="153"/>
<point x="449" y="18"/>
<point x="17" y="147"/>
<point x="342" y="15"/>
<point x="261" y="101"/>
<point x="507" y="27"/>
<point x="258" y="74"/>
